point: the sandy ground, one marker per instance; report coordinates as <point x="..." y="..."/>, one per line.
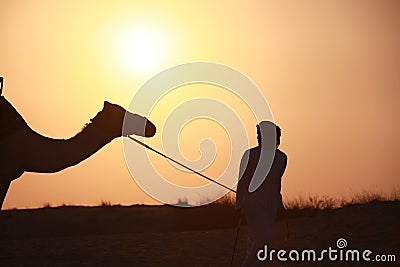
<point x="153" y="237"/>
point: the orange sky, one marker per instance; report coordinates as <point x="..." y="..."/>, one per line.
<point x="329" y="70"/>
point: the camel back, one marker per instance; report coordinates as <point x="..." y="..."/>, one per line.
<point x="10" y="119"/>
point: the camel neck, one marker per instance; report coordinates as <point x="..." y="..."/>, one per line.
<point x="44" y="154"/>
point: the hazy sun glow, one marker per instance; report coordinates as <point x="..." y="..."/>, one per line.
<point x="141" y="49"/>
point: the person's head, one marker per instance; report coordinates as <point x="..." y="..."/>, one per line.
<point x="267" y="128"/>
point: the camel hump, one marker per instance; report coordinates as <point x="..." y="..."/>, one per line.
<point x="118" y="122"/>
<point x="10" y="119"/>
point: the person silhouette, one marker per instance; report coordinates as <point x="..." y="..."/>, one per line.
<point x="24" y="150"/>
<point x="263" y="206"/>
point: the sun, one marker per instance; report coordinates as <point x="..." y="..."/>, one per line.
<point x="141" y="50"/>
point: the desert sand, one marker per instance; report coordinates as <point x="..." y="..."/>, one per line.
<point x="170" y="236"/>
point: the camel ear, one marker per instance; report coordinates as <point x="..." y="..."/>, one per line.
<point x="108" y="106"/>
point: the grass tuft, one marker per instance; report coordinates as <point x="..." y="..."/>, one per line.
<point x="105" y="203"/>
<point x="47" y="205"/>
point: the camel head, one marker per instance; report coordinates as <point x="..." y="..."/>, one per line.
<point x="111" y="120"/>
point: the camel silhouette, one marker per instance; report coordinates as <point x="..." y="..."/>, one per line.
<point x="24" y="150"/>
